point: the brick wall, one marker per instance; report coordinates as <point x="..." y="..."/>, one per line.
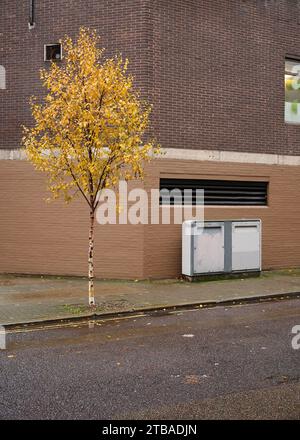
<point x="52" y="238"/>
<point x="124" y="26"/>
<point x="212" y="68"/>
<point x="280" y="218"/>
<point x="219" y="74"/>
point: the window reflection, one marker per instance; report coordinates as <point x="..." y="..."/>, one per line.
<point x="292" y="91"/>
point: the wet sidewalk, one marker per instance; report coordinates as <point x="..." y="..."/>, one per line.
<point x="29" y="299"/>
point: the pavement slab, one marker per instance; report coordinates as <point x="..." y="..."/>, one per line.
<point x="26" y="299"/>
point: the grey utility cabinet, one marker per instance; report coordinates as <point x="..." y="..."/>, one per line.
<point x="216" y="247"/>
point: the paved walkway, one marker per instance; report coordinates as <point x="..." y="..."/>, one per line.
<point x="26" y="299"/>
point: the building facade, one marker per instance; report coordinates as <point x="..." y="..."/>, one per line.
<point x="223" y="80"/>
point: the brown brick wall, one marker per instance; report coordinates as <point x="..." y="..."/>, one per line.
<point x="213" y="69"/>
<point x="52" y="238"/>
<point x="37" y="237"/>
<point x="280" y="219"/>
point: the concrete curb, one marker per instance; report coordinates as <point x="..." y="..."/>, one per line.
<point x="146" y="310"/>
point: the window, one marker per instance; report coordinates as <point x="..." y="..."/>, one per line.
<point x="52" y="52"/>
<point x="217" y="192"/>
<point x="292" y="91"/>
<point x="2" y="78"/>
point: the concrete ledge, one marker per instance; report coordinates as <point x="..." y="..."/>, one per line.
<point x="198" y="155"/>
<point x="230" y="156"/>
<point x="16" y="154"/>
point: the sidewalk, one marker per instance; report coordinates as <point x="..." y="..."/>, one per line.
<point x="29" y="299"/>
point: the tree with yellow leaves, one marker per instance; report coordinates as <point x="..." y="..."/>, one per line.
<point x="89" y="129"/>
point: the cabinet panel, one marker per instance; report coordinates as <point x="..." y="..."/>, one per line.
<point x="209" y="248"/>
<point x="246" y="245"/>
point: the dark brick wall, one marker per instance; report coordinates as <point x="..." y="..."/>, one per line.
<point x="219" y="74"/>
<point x="213" y="69"/>
<point x="124" y="26"/>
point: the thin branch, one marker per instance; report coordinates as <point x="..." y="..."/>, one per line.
<point x="75" y="180"/>
<point x="102" y="176"/>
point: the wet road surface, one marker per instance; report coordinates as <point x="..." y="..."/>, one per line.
<point x="235" y="362"/>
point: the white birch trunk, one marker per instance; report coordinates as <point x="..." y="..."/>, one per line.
<point x="91" y="260"/>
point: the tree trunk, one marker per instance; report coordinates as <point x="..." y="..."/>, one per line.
<point x="91" y="260"/>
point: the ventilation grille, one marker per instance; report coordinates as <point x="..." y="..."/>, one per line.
<point x="216" y="192"/>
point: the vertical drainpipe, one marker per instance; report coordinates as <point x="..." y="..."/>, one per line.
<point x="31" y="23"/>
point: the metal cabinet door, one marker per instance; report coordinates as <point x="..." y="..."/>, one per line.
<point x="209" y="248"/>
<point x="246" y="245"/>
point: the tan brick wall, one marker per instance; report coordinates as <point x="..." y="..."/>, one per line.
<point x="280" y="219"/>
<point x="52" y="238"/>
<point x="36" y="237"/>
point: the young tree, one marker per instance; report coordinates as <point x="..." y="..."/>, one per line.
<point x="89" y="129"/>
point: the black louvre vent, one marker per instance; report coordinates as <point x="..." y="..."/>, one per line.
<point x="216" y="192"/>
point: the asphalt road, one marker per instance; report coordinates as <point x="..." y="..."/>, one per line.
<point x="228" y="363"/>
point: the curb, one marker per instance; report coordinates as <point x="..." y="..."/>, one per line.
<point x="147" y="310"/>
